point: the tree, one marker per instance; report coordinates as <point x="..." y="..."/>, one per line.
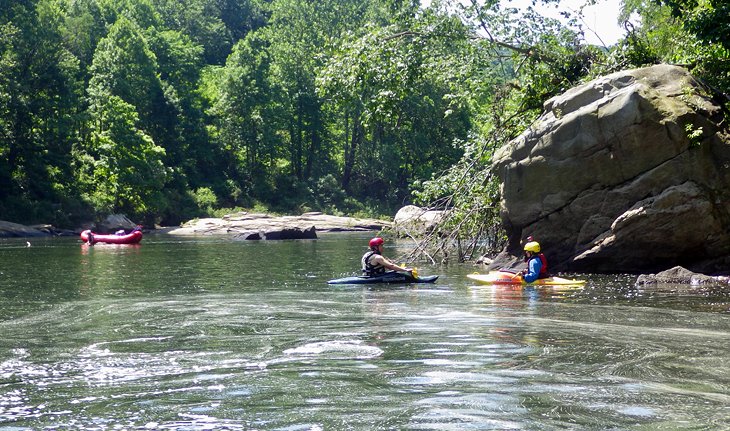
<point x="215" y="25"/>
<point x="676" y="32"/>
<point x="246" y="113"/>
<point x="513" y="63"/>
<point x="119" y="166"/>
<point x="709" y="20"/>
<point x="39" y="107"/>
<point x="400" y="106"/>
<point x="120" y="169"/>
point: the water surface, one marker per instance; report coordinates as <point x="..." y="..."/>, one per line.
<point x="215" y="334"/>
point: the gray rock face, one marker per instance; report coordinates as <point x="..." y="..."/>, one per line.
<point x="264" y="226"/>
<point x="411" y="220"/>
<point x="114" y="222"/>
<point x="679" y="275"/>
<point x="627" y="173"/>
<point x="285" y="233"/>
<point x="14" y="230"/>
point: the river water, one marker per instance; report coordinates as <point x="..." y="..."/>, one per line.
<point x="217" y="334"/>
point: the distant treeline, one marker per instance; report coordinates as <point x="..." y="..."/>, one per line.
<point x="166" y="110"/>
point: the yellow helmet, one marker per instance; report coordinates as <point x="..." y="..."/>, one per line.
<point x="532" y="246"/>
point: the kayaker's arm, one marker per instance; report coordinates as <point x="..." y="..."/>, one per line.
<point x="384" y="261"/>
<point x="533" y="270"/>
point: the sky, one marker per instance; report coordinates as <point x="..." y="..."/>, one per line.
<point x="599" y="20"/>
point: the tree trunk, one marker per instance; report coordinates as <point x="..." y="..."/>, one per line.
<point x="355" y="141"/>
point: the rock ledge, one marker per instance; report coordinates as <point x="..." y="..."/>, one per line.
<point x="245" y="224"/>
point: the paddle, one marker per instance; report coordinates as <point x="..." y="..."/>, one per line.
<point x="413" y="271"/>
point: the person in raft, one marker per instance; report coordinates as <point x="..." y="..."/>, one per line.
<point x="374" y="263"/>
<point x="536" y="262"/>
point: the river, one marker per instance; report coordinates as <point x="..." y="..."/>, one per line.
<point x="216" y="334"/>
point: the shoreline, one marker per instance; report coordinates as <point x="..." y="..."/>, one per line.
<point x="231" y="224"/>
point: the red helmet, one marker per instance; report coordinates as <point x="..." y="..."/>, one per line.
<point x="376" y="242"/>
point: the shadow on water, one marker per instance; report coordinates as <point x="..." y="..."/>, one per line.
<point x="216" y="334"/>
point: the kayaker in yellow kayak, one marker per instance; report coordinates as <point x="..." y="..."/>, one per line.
<point x="374" y="263"/>
<point x="536" y="262"/>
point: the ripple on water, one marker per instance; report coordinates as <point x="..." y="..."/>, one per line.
<point x="452" y="377"/>
<point x="347" y="349"/>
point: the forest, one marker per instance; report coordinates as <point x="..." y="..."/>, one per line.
<point x="167" y="110"/>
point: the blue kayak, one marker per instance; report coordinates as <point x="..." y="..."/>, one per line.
<point x="388" y="277"/>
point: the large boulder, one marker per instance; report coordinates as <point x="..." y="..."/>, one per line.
<point x="284" y="233"/>
<point x="679" y="275"/>
<point x="627" y="173"/>
<point x="15" y="230"/>
<point x="115" y="222"/>
<point x="416" y="221"/>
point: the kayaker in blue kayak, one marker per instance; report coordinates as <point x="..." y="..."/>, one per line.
<point x="536" y="262"/>
<point x="374" y="263"/>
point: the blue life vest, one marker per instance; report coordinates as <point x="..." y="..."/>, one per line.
<point x="543" y="267"/>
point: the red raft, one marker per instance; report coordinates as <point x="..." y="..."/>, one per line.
<point x="132" y="237"/>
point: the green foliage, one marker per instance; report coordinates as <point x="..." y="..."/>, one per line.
<point x="685" y="32"/>
<point x="396" y="107"/>
<point x="40" y="101"/>
<point x="694" y="134"/>
<point x="708" y="19"/>
<point x="517" y="62"/>
<point x="245" y="111"/>
<point x="125" y="66"/>
<point x="121" y="169"/>
<point x="205" y="198"/>
<point x="168" y="110"/>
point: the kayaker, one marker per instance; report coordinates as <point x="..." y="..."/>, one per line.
<point x="374" y="263"/>
<point x="536" y="262"/>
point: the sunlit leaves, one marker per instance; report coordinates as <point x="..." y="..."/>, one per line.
<point x="522" y="59"/>
<point x="245" y="112"/>
<point x="120" y="167"/>
<point x="684" y="32"/>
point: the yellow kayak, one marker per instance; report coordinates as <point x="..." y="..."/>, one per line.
<point x="503" y="277"/>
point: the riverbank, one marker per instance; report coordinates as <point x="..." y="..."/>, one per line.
<point x="239" y="224"/>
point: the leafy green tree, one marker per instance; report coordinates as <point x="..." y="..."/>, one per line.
<point x="246" y="114"/>
<point x="685" y="32"/>
<point x="215" y="25"/>
<point x="296" y="37"/>
<point x="513" y="62"/>
<point x="125" y="66"/>
<point x="708" y="19"/>
<point x="399" y="106"/>
<point x="120" y="169"/>
<point x="177" y="120"/>
<point x="119" y="166"/>
<point x="39" y="107"/>
<point x="84" y="24"/>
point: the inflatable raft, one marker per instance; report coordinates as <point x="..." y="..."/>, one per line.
<point x="388" y="277"/>
<point x="133" y="237"/>
<point x="504" y="277"/>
